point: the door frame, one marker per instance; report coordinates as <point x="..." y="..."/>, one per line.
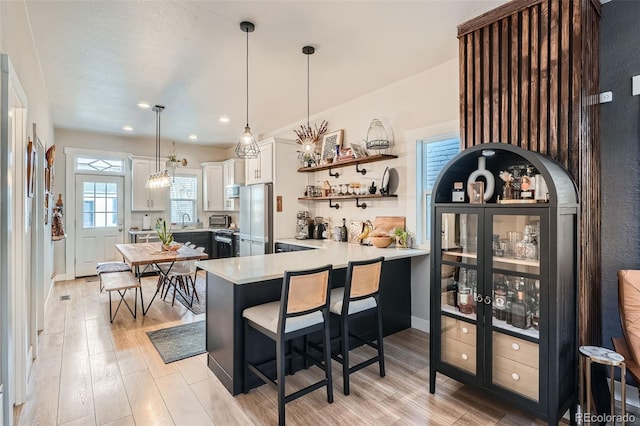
<point x="70" y="173"/>
<point x="14" y="317"/>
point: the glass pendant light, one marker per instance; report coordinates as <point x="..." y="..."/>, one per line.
<point x="247" y="146"/>
<point x="159" y="179"/>
<point x="377" y="139"/>
<point x="308" y="144"/>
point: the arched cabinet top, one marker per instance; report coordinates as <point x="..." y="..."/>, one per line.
<point x="561" y="187"/>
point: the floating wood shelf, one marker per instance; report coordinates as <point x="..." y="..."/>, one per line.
<point x="354" y="162"/>
<point x="346" y="197"/>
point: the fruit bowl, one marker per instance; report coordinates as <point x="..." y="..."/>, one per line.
<point x="381" y="242"/>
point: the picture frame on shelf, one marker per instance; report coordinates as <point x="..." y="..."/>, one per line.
<point x="329" y="143"/>
<point x="359" y="151"/>
<point x="476" y="192"/>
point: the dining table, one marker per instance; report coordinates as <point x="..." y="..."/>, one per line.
<point x="143" y="254"/>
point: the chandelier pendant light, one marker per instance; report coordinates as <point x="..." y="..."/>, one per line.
<point x="159" y="179"/>
<point x="247" y="146"/>
<point x="308" y="144"/>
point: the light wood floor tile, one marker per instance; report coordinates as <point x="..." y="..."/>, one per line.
<point x="193" y="370"/>
<point x="109" y="396"/>
<point x="125" y="421"/>
<point x="221" y="407"/>
<point x="129" y="355"/>
<point x="182" y="403"/>
<point x="75" y="341"/>
<point x="75" y="388"/>
<point x="99" y="339"/>
<point x="146" y="402"/>
<point x="85" y="421"/>
<point x="41" y="405"/>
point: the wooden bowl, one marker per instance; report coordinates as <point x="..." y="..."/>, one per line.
<point x="381" y="242"/>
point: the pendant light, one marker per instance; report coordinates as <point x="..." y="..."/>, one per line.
<point x="247" y="146"/>
<point x="308" y="144"/>
<point x="159" y="179"/>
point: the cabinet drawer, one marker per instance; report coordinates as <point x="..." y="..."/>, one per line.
<point x="459" y="330"/>
<point x="518" y="350"/>
<point x="517" y="377"/>
<point x="459" y="354"/>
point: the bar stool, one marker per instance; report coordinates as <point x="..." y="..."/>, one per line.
<point x="303" y="309"/>
<point x="609" y="358"/>
<point x="360" y="296"/>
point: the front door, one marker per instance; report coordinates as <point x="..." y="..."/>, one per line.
<point x="99" y="218"/>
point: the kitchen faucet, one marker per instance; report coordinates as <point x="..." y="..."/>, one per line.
<point x="188" y="217"/>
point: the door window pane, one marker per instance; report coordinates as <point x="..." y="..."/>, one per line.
<point x="99" y="205"/>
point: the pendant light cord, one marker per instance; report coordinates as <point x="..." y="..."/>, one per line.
<point x="308" y="89"/>
<point x="247" y="62"/>
<point x="157" y="141"/>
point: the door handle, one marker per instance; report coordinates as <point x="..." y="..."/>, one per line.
<point x="119" y="229"/>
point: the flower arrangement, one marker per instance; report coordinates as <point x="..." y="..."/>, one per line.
<point x="173" y="158"/>
<point x="165" y="235"/>
<point x="506" y="176"/>
<point x="309" y="137"/>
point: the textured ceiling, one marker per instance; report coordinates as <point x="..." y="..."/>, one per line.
<point x="101" y="58"/>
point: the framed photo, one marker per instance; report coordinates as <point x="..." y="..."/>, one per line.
<point x="329" y="143"/>
<point x="476" y="192"/>
<point x="31" y="169"/>
<point x="359" y="151"/>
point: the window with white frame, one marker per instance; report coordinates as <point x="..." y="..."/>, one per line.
<point x="436" y="153"/>
<point x="100" y="165"/>
<point x="184" y="198"/>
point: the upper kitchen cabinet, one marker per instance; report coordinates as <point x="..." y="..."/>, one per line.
<point x="143" y="198"/>
<point x="233" y="174"/>
<point x="213" y="186"/>
<point x="260" y="170"/>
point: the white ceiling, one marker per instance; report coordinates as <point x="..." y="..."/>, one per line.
<point x="100" y="58"/>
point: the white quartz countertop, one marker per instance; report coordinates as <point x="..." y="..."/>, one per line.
<point x="249" y="269"/>
<point x="173" y="230"/>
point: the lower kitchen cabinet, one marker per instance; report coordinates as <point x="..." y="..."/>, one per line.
<point x="504" y="284"/>
<point x="284" y="247"/>
<point x="199" y="238"/>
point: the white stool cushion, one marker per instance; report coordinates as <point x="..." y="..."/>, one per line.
<point x="337" y="295"/>
<point x="266" y="315"/>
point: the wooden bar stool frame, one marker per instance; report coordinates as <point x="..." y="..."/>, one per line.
<point x="297" y="300"/>
<point x="362" y="282"/>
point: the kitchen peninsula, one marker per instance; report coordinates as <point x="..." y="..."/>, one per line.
<point x="237" y="283"/>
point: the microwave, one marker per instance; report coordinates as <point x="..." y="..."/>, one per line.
<point x="232" y="191"/>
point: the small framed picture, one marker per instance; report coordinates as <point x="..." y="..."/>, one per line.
<point x="476" y="192"/>
<point x="31" y="168"/>
<point x="329" y="143"/>
<point x="359" y="151"/>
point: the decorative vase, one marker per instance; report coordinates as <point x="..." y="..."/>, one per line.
<point x="486" y="174"/>
<point x="165" y="247"/>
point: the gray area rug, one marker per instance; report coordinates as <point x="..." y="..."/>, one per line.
<point x="179" y="342"/>
<point x="199" y="306"/>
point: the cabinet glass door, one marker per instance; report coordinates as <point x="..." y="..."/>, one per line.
<point x="458" y="274"/>
<point x="515" y="314"/>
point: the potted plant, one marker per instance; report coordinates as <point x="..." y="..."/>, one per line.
<point x="403" y="237"/>
<point x="165" y="235"/>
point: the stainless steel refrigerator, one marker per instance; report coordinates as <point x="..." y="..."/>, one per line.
<point x="256" y="219"/>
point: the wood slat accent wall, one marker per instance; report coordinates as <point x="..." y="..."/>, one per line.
<point x="529" y="77"/>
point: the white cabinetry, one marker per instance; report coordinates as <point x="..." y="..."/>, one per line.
<point x="143" y="198"/>
<point x="213" y="187"/>
<point x="233" y="174"/>
<point x="260" y="170"/>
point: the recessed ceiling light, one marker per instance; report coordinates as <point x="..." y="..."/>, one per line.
<point x="223" y="119"/>
<point x="127" y="129"/>
<point x="193" y="137"/>
<point x="144" y="105"/>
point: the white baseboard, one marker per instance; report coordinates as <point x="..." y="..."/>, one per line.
<point x="420" y="324"/>
<point x="60" y="277"/>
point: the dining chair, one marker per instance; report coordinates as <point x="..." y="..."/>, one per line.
<point x="359" y="297"/>
<point x="182" y="275"/>
<point x="303" y="309"/>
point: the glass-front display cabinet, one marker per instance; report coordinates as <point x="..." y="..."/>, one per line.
<point x="504" y="278"/>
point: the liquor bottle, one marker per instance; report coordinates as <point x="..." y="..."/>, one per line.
<point x="500" y="300"/>
<point x="464" y="300"/>
<point x="521" y="315"/>
<point x="528" y="185"/>
<point x="509" y="306"/>
<point x="452" y="293"/>
<point x="344" y="235"/>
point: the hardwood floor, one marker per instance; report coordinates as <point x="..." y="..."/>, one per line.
<point x="92" y="372"/>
